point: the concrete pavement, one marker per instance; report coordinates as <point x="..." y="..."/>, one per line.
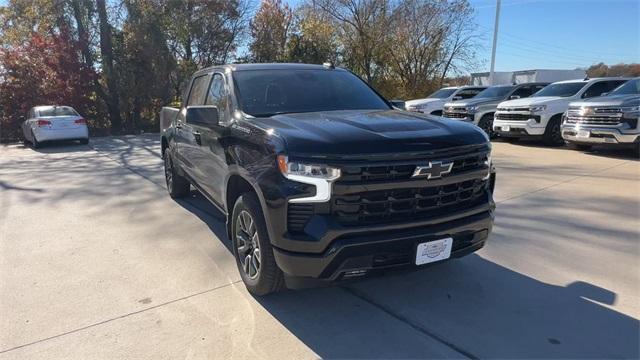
<point x="96" y="261"/>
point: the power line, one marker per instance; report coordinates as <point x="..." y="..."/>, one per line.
<point x="543" y="45"/>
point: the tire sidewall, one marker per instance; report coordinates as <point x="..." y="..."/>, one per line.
<point x="261" y="284"/>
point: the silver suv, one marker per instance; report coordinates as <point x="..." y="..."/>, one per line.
<point x="609" y="119"/>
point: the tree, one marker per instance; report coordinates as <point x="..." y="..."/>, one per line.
<point x="363" y="27"/>
<point x="44" y="70"/>
<point x="313" y="39"/>
<point x="106" y="50"/>
<point x="270" y="30"/>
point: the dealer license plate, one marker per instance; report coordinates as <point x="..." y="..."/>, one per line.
<point x="583" y="134"/>
<point x="432" y="251"/>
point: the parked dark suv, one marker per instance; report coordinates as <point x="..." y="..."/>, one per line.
<point x="321" y="178"/>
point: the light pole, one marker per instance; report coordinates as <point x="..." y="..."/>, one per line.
<point x="495" y="41"/>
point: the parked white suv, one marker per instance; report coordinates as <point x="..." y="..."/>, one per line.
<point x="541" y="114"/>
<point x="434" y="103"/>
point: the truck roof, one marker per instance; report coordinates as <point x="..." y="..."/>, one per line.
<point x="266" y="66"/>
<point x="591" y="79"/>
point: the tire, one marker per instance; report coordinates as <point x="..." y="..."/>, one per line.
<point x="252" y="248"/>
<point x="177" y="186"/>
<point x="486" y="124"/>
<point x="84" y="141"/>
<point x="552" y="134"/>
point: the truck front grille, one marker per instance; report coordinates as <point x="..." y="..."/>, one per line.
<point x="594" y="116"/>
<point x="404" y="170"/>
<point x="385" y="206"/>
<point x="513" y="117"/>
<point x="455" y="115"/>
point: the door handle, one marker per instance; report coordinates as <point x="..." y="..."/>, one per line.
<point x="198" y="138"/>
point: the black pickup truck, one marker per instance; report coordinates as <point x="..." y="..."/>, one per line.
<point x="321" y="179"/>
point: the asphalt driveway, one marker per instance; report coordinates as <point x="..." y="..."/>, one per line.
<point x="96" y="261"/>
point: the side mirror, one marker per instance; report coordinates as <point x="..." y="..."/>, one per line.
<point x="513" y="97"/>
<point x="456" y="98"/>
<point x="398" y="104"/>
<point x="205" y="115"/>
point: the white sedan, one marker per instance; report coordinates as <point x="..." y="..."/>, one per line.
<point x="48" y="123"/>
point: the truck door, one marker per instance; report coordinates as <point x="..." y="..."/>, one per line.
<point x="187" y="135"/>
<point x="211" y="148"/>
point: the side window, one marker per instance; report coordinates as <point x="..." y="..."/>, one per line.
<point x="468" y="93"/>
<point x="217" y="96"/>
<point x="613" y="84"/>
<point x="594" y="90"/>
<point x="523" y="92"/>
<point x="198" y="89"/>
<point x="536" y="88"/>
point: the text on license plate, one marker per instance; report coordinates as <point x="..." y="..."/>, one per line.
<point x="432" y="251"/>
<point x="583" y="134"/>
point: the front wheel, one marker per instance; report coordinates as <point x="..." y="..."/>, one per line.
<point x="486" y="124"/>
<point x="252" y="248"/>
<point x="552" y="134"/>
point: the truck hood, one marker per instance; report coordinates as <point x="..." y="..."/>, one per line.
<point x="368" y="132"/>
<point x="474" y="102"/>
<point x="542" y="100"/>
<point x="422" y="101"/>
<point x="614" y="100"/>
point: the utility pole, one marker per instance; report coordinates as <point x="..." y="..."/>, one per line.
<point x="495" y="41"/>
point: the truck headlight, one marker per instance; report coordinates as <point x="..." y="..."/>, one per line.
<point x="488" y="163"/>
<point x="321" y="176"/>
<point x="537" y="108"/>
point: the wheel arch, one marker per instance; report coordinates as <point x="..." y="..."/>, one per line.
<point x="237" y="185"/>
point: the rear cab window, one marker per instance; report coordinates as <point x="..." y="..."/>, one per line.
<point x="57" y="111"/>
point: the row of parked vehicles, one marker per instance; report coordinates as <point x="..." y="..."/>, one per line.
<point x="321" y="179"/>
<point x="579" y="112"/>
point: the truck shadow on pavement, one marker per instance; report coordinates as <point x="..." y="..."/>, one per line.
<point x="470" y="307"/>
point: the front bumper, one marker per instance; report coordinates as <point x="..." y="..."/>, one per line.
<point x="534" y="126"/>
<point x="599" y="134"/>
<point x="366" y="254"/>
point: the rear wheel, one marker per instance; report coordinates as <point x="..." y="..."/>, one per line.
<point x="177" y="186"/>
<point x="34" y="142"/>
<point x="486" y="124"/>
<point x="252" y="248"/>
<point x="84" y="141"/>
<point x="552" y="135"/>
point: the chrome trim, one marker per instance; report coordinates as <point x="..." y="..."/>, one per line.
<point x="323" y="189"/>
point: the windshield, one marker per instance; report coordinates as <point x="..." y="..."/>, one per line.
<point x="631" y="87"/>
<point x="494" y="91"/>
<point x="561" y="89"/>
<point x="442" y="93"/>
<point x="58" y="111"/>
<point x="263" y="93"/>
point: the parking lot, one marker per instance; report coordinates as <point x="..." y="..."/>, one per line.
<point x="97" y="261"/>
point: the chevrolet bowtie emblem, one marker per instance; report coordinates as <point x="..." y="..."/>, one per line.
<point x="434" y="170"/>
